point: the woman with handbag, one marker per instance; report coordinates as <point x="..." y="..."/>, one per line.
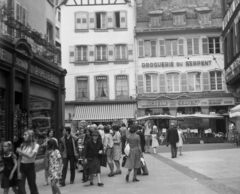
<point x="93" y="150"/>
<point x="117" y="148"/>
<point x="135" y="154"/>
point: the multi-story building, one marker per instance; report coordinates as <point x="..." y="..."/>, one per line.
<point x="97" y="51"/>
<point x="31" y="77"/>
<point x="180" y="61"/>
<point x="231" y="37"/>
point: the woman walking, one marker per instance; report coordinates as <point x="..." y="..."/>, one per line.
<point x="93" y="150"/>
<point x="26" y="167"/>
<point x="154" y="134"/>
<point x="134" y="157"/>
<point x="117" y="148"/>
<point x="55" y="165"/>
<point x="181" y="139"/>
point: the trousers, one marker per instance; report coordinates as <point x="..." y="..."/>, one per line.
<point x="174" y="149"/>
<point x="71" y="159"/>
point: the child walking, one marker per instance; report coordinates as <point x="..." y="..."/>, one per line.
<point x="9" y="178"/>
<point x="154" y="134"/>
<point x="55" y="165"/>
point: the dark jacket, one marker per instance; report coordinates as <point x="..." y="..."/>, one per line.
<point x="142" y="139"/>
<point x="92" y="149"/>
<point x="172" y="135"/>
<point x="63" y="148"/>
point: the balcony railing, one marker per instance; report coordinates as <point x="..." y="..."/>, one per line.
<point x="41" y="47"/>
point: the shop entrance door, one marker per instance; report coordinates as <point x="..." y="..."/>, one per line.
<point x="220" y="125"/>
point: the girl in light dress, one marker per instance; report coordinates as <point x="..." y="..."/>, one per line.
<point x="154" y="135"/>
<point x="181" y="139"/>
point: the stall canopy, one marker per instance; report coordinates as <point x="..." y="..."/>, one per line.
<point x="203" y="116"/>
<point x="155" y="117"/>
<point x="235" y="112"/>
<point x="106" y="112"/>
<point x="143" y="118"/>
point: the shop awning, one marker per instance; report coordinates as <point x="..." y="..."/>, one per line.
<point x="203" y="116"/>
<point x="235" y="112"/>
<point x="143" y="118"/>
<point x="106" y="112"/>
<point x="155" y="117"/>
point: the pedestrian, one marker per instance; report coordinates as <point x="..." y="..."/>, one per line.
<point x="9" y="176"/>
<point x="101" y="131"/>
<point x="69" y="154"/>
<point x="147" y="135"/>
<point x="134" y="158"/>
<point x="142" y="138"/>
<point x="108" y="149"/>
<point x="117" y="148"/>
<point x="50" y="135"/>
<point x="231" y="131"/>
<point x="93" y="150"/>
<point x="172" y="138"/>
<point x="55" y="165"/>
<point x="123" y="132"/>
<point x="181" y="139"/>
<point x="26" y="163"/>
<point x="154" y="134"/>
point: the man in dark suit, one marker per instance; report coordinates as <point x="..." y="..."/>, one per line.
<point x="172" y="138"/>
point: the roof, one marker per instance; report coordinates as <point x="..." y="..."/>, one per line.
<point x="179" y="11"/>
<point x="203" y="9"/>
<point x="155" y="12"/>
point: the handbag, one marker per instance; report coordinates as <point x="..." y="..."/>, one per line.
<point x="103" y="160"/>
<point x="124" y="161"/>
<point x="127" y="149"/>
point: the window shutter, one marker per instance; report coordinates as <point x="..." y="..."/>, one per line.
<point x="111" y="52"/>
<point x="78" y="20"/>
<point x="162" y="83"/>
<point x="234" y="40"/>
<point x="153" y="48"/>
<point x="130" y="52"/>
<point x="71" y="54"/>
<point x="91" y="53"/>
<point x="228" y="47"/>
<point x="184" y="19"/>
<point x="140" y="84"/>
<point x="162" y="48"/>
<point x="222" y="46"/>
<point x="180" y="47"/>
<point x="174" y="20"/>
<point x="238" y="37"/>
<point x="141" y="52"/>
<point x="189" y="47"/>
<point x="206" y="81"/>
<point x="85" y="20"/>
<point x="110" y="22"/>
<point x="184" y="86"/>
<point x="205" y="44"/>
<point x="123" y="19"/>
<point x="91" y="20"/>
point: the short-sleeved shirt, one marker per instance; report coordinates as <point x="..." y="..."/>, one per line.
<point x="108" y="140"/>
<point x="54" y="161"/>
<point x="29" y="150"/>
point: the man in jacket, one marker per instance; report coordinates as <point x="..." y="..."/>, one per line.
<point x="172" y="138"/>
<point x="69" y="153"/>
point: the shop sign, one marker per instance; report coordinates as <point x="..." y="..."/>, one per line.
<point x="186" y="103"/>
<point x="102" y="78"/>
<point x="44" y="74"/>
<point x="176" y="64"/>
<point x="233" y="69"/>
<point x="21" y="63"/>
<point x="40" y="105"/>
<point x="6" y="56"/>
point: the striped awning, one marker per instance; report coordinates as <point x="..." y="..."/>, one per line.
<point x="106" y="112"/>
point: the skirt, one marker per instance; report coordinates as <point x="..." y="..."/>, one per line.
<point x="93" y="165"/>
<point x="6" y="183"/>
<point x="154" y="142"/>
<point x="134" y="159"/>
<point x="117" y="152"/>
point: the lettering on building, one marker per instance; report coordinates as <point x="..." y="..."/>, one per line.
<point x="45" y="75"/>
<point x="21" y="63"/>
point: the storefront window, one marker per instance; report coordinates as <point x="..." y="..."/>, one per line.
<point x="2" y="116"/>
<point x="41" y="118"/>
<point x="188" y="110"/>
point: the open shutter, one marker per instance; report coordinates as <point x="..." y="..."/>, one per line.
<point x="71" y="54"/>
<point x="91" y="20"/>
<point x="110" y="52"/>
<point x="140" y="89"/>
<point x="180" y="47"/>
<point x="238" y="37"/>
<point x="206" y="81"/>
<point x="229" y="50"/>
<point x="174" y="19"/>
<point x="162" y="83"/>
<point x="85" y="20"/>
<point x="222" y="46"/>
<point x="141" y="48"/>
<point x="234" y="41"/>
<point x="189" y="46"/>
<point x="205" y="44"/>
<point x="110" y="22"/>
<point x="184" y="86"/>
<point x="78" y="20"/>
<point x="130" y="52"/>
<point x="123" y="19"/>
<point x="91" y="53"/>
<point x="162" y="48"/>
<point x="184" y="19"/>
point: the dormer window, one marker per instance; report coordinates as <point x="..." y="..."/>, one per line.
<point x="205" y="18"/>
<point x="179" y="17"/>
<point x="155" y="18"/>
<point x="204" y="15"/>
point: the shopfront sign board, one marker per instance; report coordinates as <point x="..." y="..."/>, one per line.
<point x="40" y="105"/>
<point x="6" y="56"/>
<point x="186" y="103"/>
<point x="21" y="63"/>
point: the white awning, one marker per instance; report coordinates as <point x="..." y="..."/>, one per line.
<point x="235" y="112"/>
<point x="105" y="112"/>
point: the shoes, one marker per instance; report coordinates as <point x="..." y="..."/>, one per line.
<point x="144" y="174"/>
<point x="71" y="182"/>
<point x="62" y="184"/>
<point x="111" y="174"/>
<point x="135" y="180"/>
<point x="172" y="157"/>
<point x="46" y="183"/>
<point x="118" y="172"/>
<point x="91" y="183"/>
<point x="127" y="177"/>
<point x="100" y="184"/>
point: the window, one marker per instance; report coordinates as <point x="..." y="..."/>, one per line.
<point x="81" y="20"/>
<point x="173" y="82"/>
<point x="155" y="21"/>
<point x="194" y="80"/>
<point x="117" y="19"/>
<point x="81" y="54"/>
<point x="101" y="20"/>
<point x="214" y="45"/>
<point x="178" y="19"/>
<point x="49" y="31"/>
<point x="120" y="19"/>
<point x="59" y="16"/>
<point x="101" y="53"/>
<point x="57" y="33"/>
<point x="150" y="48"/>
<point x="171" y="47"/>
<point x="216" y="80"/>
<point x="82" y="88"/>
<point x="21" y="16"/>
<point x="121" y="86"/>
<point x="205" y="18"/>
<point x="101" y="87"/>
<point x="121" y="52"/>
<point x="151" y="82"/>
<point x="180" y="47"/>
<point x="193" y="46"/>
